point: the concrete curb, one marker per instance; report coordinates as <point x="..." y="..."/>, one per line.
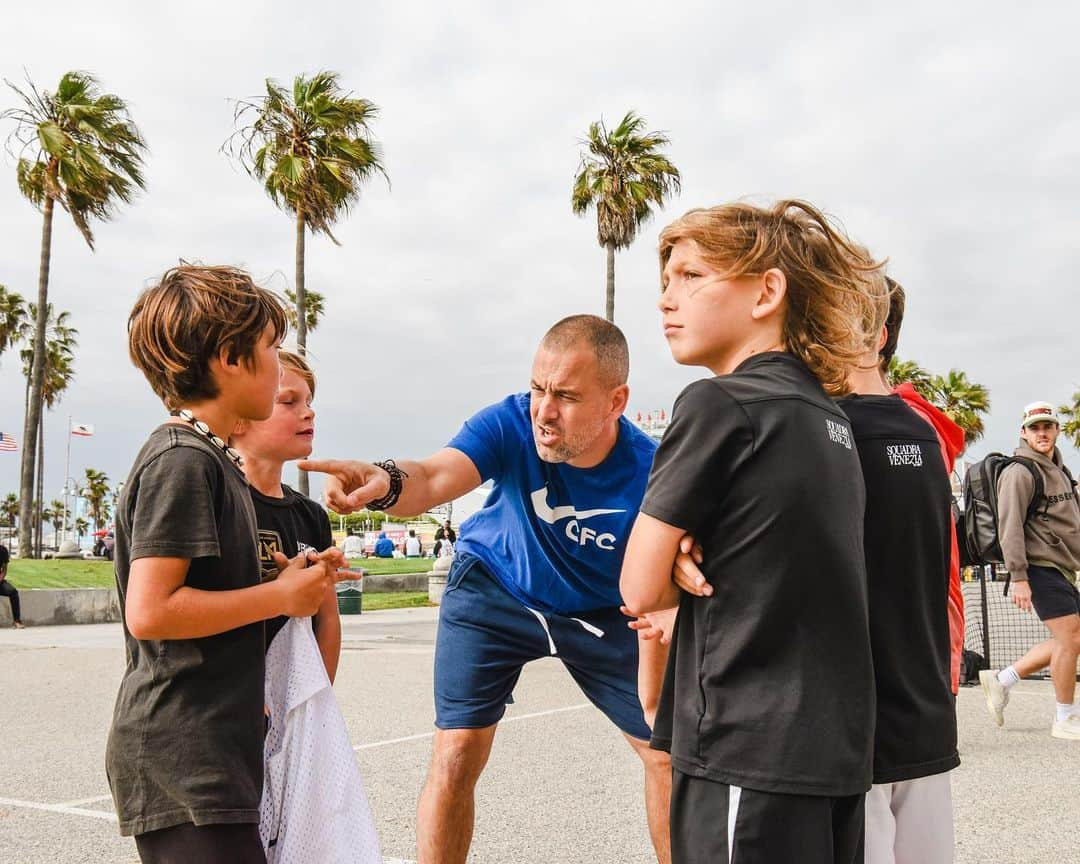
<point x="42" y="606"/>
<point x="385" y="583"/>
<point x="45" y="606"/>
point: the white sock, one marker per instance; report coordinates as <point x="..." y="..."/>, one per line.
<point x="1063" y="711"/>
<point x="1007" y="677"/>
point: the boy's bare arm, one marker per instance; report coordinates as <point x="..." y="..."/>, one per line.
<point x="442" y="477"/>
<point x="646" y="584"/>
<point x="158" y="605"/>
<point x="652" y="662"/>
<point x="328" y="632"/>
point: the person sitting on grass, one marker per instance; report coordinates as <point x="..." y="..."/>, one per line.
<point x="384" y="546"/>
<point x="8" y="590"/>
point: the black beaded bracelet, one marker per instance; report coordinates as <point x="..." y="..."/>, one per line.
<point x="397" y="478"/>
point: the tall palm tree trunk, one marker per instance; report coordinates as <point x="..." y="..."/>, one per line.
<point x="40" y="485"/>
<point x="37" y="370"/>
<point x="301" y="317"/>
<point x="610" y="282"/>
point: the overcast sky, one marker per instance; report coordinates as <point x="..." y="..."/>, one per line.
<point x="943" y="136"/>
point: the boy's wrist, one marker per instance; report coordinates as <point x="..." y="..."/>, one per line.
<point x="277" y="596"/>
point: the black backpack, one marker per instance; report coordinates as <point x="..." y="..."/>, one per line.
<point x="977" y="526"/>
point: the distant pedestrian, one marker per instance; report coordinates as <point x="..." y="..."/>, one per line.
<point x="445" y="532"/>
<point x="384" y="546"/>
<point x="8" y="590"/>
<point x="413" y="548"/>
<point x="1042" y="555"/>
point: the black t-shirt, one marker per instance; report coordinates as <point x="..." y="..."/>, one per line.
<point x="186" y="743"/>
<point x="290" y="525"/>
<point x="769" y="684"/>
<point x="908" y="541"/>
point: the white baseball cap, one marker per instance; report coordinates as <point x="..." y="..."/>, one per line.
<point x="1039" y="412"/>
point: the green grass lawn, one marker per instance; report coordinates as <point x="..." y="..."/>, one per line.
<point x="395" y="600"/>
<point x="380" y="566"/>
<point x="28" y="573"/>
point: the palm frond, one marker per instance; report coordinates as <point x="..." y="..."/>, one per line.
<point x="311" y="147"/>
<point x="624" y="177"/>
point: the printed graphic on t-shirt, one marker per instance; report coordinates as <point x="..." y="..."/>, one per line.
<point x="904" y="454"/>
<point x="838" y="433"/>
<point x="269" y="543"/>
<point x="574" y="530"/>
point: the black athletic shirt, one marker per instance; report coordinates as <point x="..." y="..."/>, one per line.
<point x="288" y="525"/>
<point x="769" y="684"/>
<point x="907" y="541"/>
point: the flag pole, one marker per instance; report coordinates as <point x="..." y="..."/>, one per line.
<point x="67" y="474"/>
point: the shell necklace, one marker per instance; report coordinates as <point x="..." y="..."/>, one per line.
<point x="204" y="430"/>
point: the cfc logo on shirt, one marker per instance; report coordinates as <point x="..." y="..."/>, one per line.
<point x="838" y="433"/>
<point x="580" y="534"/>
<point x="904" y="454"/>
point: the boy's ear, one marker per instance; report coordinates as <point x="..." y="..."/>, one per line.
<point x="226" y="360"/>
<point x="771" y="295"/>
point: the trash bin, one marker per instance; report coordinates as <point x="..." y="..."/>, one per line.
<point x="350" y="594"/>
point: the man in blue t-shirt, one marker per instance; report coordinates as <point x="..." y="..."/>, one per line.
<point x="536" y="571"/>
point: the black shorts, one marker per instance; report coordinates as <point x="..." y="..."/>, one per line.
<point x="713" y="823"/>
<point x="207" y="844"/>
<point x="1052" y="595"/>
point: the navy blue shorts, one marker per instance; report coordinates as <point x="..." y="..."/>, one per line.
<point x="486" y="635"/>
<point x="1052" y="595"/>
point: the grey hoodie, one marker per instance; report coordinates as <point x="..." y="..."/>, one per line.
<point x="1052" y="536"/>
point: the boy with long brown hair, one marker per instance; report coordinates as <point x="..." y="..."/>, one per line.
<point x="185" y="751"/>
<point x="767" y="704"/>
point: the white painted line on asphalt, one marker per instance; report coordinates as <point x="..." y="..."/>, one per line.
<point x="80" y="801"/>
<point x="108" y="816"/>
<point x="422" y="735"/>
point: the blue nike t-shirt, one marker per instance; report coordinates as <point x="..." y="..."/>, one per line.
<point x="554" y="535"/>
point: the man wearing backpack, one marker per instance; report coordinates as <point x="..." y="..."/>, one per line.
<point x="1042" y="555"/>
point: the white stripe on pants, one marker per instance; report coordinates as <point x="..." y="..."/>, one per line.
<point x="734" y="796"/>
<point x="910" y="822"/>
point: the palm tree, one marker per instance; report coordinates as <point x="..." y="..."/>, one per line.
<point x="959" y="399"/>
<point x="314" y="306"/>
<point x="624" y="175"/>
<point x="9" y="512"/>
<point x="85" y="154"/>
<point x="81" y="527"/>
<point x="45" y="515"/>
<point x="12" y="318"/>
<point x="962" y="401"/>
<point x="58" y="511"/>
<point x="97" y="496"/>
<point x="1070" y="416"/>
<point x="60" y="344"/>
<point x="311" y="148"/>
<point x="908" y="371"/>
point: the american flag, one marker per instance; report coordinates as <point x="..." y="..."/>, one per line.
<point x="8" y="442"/>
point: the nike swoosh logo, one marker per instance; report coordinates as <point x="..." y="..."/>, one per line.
<point x="551" y="515"/>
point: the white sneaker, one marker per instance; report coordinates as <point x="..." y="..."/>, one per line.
<point x="997" y="697"/>
<point x="1067" y="729"/>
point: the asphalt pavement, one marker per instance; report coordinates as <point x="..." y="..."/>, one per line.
<point x="562" y="785"/>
